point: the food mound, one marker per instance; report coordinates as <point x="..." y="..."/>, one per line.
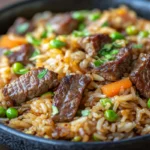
<point x="78" y="76"/>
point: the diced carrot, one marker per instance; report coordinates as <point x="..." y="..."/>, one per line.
<point x="10" y="41"/>
<point x="114" y="88"/>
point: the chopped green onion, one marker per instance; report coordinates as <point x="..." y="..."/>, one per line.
<point x="105" y="102"/>
<point x="35" y="53"/>
<point x="148" y="103"/>
<point x="42" y="73"/>
<point x="105" y="24"/>
<point x="8" y="53"/>
<point x="81" y="26"/>
<point x="94" y="16"/>
<point x="79" y="15"/>
<point x="106" y="48"/>
<point x="54" y="110"/>
<point x="116" y="35"/>
<point x="137" y="46"/>
<point x="33" y="40"/>
<point x="23" y="71"/>
<point x="44" y="34"/>
<point x="49" y="28"/>
<point x="57" y="43"/>
<point x="76" y="139"/>
<point x="22" y="28"/>
<point x="99" y="62"/>
<point x="114" y="52"/>
<point x="85" y="112"/>
<point x="80" y="33"/>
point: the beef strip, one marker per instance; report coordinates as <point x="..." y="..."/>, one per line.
<point x="114" y="70"/>
<point x="21" y="21"/>
<point x="140" y="75"/>
<point x="93" y="43"/>
<point x="22" y="55"/>
<point x="68" y="96"/>
<point x="63" y="23"/>
<point x="29" y="86"/>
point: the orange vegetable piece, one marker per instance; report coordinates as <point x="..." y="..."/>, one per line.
<point x="10" y="41"/>
<point x="114" y="88"/>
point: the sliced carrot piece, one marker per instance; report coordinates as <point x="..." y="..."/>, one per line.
<point x="114" y="88"/>
<point x="10" y="41"/>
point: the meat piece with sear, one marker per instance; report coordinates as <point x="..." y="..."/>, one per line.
<point x="68" y="96"/>
<point x="114" y="70"/>
<point x="30" y="85"/>
<point x="93" y="43"/>
<point x="63" y="23"/>
<point x="140" y="75"/>
<point x="21" y="26"/>
<point x="22" y="55"/>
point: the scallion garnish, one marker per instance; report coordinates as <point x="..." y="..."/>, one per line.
<point x="85" y="112"/>
<point x="137" y="46"/>
<point x="54" y="110"/>
<point x="7" y="53"/>
<point x="22" y="28"/>
<point x="42" y="73"/>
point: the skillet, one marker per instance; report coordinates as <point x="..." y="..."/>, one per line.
<point x="16" y="140"/>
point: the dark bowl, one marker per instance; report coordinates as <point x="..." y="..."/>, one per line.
<point x="19" y="141"/>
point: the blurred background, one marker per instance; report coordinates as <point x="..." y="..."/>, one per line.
<point x="7" y="2"/>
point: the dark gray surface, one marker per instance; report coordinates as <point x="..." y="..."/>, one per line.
<point x="19" y="141"/>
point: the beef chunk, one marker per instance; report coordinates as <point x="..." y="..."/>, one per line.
<point x="140" y="76"/>
<point x="30" y="85"/>
<point x="114" y="70"/>
<point x="63" y="24"/>
<point x="93" y="43"/>
<point x="22" y="55"/>
<point x="68" y="96"/>
<point x="21" y="26"/>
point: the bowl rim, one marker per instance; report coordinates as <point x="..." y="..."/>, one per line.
<point x="52" y="141"/>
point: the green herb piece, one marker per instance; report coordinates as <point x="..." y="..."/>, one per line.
<point x="81" y="26"/>
<point x="79" y="15"/>
<point x="23" y="71"/>
<point x="12" y="113"/>
<point x="54" y="110"/>
<point x="114" y="52"/>
<point x="105" y="102"/>
<point x="105" y="24"/>
<point x="33" y="40"/>
<point x="44" y="34"/>
<point x="57" y="43"/>
<point x="85" y="112"/>
<point x="35" y="53"/>
<point x="137" y="46"/>
<point x="49" y="28"/>
<point x="42" y="73"/>
<point x="95" y="137"/>
<point x="94" y="16"/>
<point x="8" y="53"/>
<point x="22" y="28"/>
<point x="110" y="115"/>
<point x="80" y="33"/>
<point x="99" y="62"/>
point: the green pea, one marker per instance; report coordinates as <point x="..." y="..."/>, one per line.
<point x="2" y="112"/>
<point x="78" y="15"/>
<point x="131" y="30"/>
<point x="148" y="103"/>
<point x="94" y="16"/>
<point x="95" y="137"/>
<point x="110" y="115"/>
<point x="105" y="101"/>
<point x="57" y="43"/>
<point x="76" y="139"/>
<point x="80" y="33"/>
<point x="143" y="34"/>
<point x="116" y="36"/>
<point x="12" y="113"/>
<point x="17" y="67"/>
